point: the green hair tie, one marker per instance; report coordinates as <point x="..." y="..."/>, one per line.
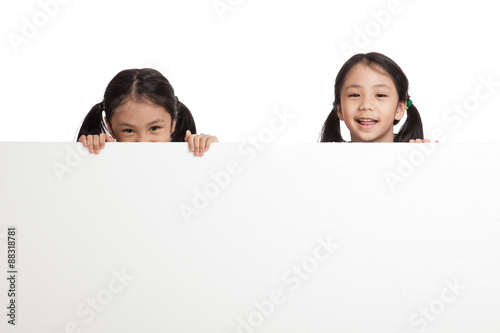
<point x="409" y="103"/>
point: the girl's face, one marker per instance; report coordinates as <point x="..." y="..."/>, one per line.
<point x="135" y="121"/>
<point x="369" y="104"/>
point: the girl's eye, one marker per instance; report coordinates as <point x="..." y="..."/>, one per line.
<point x="354" y="95"/>
<point x="381" y="95"/>
<point x="128" y="130"/>
<point x="154" y="128"/>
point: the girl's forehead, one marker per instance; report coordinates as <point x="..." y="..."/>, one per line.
<point x="368" y="75"/>
<point x="143" y="110"/>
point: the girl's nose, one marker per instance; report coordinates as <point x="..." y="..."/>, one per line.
<point x="366" y="105"/>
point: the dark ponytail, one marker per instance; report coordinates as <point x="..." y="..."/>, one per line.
<point x="141" y="84"/>
<point x="184" y="122"/>
<point x="412" y="128"/>
<point x="93" y="122"/>
<point x="331" y="128"/>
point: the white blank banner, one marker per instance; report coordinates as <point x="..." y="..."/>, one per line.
<point x="250" y="238"/>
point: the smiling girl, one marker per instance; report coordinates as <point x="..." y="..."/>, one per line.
<point x="140" y="106"/>
<point x="371" y="96"/>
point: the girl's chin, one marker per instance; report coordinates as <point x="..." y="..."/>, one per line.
<point x="371" y="138"/>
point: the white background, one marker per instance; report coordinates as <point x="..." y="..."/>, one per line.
<point x="232" y="70"/>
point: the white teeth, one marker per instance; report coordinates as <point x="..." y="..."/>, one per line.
<point x="366" y="120"/>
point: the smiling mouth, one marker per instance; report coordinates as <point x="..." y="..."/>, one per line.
<point x="366" y="122"/>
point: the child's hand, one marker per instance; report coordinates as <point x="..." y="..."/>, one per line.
<point x="422" y="141"/>
<point x="95" y="142"/>
<point x="199" y="143"/>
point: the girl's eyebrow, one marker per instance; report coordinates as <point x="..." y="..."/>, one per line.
<point x="357" y="86"/>
<point x="156" y="121"/>
<point x="381" y="85"/>
<point x="125" y="125"/>
<point x="353" y="86"/>
<point x="148" y="124"/>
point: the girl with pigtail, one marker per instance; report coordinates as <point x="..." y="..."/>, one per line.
<point x="140" y="106"/>
<point x="371" y="96"/>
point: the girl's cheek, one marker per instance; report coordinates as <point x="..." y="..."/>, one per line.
<point x="122" y="138"/>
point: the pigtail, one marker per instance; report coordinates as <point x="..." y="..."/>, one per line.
<point x="412" y="128"/>
<point x="331" y="128"/>
<point x="93" y="122"/>
<point x="184" y="121"/>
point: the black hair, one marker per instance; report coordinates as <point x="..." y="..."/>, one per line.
<point x="411" y="129"/>
<point x="145" y="83"/>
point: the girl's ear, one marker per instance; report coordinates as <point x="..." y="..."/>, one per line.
<point x="339" y="112"/>
<point x="109" y="127"/>
<point x="400" y="111"/>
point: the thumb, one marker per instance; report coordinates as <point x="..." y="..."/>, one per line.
<point x="188" y="134"/>
<point x="109" y="138"/>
